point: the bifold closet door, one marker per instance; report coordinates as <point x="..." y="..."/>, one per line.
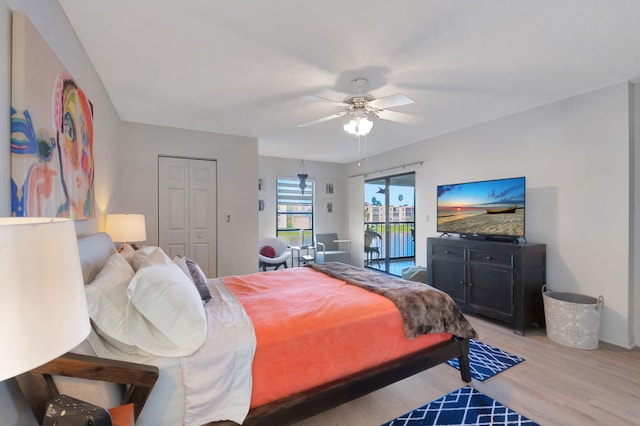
<point x="187" y="210"/>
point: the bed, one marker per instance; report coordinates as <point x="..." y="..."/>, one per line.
<point x="279" y="346"/>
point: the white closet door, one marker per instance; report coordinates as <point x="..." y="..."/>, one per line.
<point x="173" y="205"/>
<point x="202" y="215"/>
<point x="187" y="210"/>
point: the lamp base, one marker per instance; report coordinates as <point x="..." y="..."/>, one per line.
<point x="133" y="246"/>
<point x="64" y="410"/>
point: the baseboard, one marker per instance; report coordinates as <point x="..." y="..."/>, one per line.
<point x="617" y="340"/>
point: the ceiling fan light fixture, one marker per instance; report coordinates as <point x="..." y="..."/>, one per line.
<point x="363" y="108"/>
<point x="359" y="126"/>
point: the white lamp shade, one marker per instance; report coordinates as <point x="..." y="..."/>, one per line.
<point x="43" y="310"/>
<point x="126" y="228"/>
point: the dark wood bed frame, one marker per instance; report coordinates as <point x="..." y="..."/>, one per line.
<point x="308" y="403"/>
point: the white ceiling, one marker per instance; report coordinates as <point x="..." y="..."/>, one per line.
<point x="242" y="67"/>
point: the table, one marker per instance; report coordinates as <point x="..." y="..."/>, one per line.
<point x="308" y="257"/>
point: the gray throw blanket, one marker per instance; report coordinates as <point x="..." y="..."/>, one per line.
<point x="424" y="309"/>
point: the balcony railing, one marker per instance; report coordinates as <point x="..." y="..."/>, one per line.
<point x="401" y="239"/>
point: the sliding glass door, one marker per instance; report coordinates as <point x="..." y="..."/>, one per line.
<point x="389" y="222"/>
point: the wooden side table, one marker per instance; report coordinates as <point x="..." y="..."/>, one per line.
<point x="38" y="387"/>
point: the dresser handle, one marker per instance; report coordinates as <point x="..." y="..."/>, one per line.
<point x="461" y="282"/>
<point x="470" y="284"/>
<point x="446" y="252"/>
<point x="488" y="257"/>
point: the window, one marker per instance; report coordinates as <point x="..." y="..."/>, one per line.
<point x="294" y="211"/>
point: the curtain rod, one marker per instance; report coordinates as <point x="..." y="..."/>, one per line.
<point x="402" y="166"/>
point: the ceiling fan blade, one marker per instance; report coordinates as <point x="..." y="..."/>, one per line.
<point x="325" y="100"/>
<point x="327" y="118"/>
<point x="390" y="101"/>
<point x="400" y="117"/>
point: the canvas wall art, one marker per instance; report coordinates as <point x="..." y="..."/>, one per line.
<point x="52" y="164"/>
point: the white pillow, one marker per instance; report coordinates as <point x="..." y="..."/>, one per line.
<point x="165" y="316"/>
<point x="148" y="255"/>
<point x="107" y="302"/>
<point x="156" y="257"/>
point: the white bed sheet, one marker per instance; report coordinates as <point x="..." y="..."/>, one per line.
<point x="212" y="384"/>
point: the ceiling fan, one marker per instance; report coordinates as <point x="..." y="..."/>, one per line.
<point x="365" y="108"/>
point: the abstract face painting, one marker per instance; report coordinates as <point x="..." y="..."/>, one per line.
<point x="52" y="163"/>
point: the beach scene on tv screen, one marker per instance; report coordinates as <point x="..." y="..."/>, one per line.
<point x="489" y="207"/>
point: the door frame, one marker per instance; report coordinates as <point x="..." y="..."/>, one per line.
<point x="388" y="180"/>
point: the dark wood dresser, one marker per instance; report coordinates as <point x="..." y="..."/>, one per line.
<point x="501" y="280"/>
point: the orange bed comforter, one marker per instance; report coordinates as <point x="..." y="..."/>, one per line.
<point x="312" y="329"/>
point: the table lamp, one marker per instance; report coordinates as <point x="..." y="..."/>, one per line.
<point x="126" y="228"/>
<point x="43" y="311"/>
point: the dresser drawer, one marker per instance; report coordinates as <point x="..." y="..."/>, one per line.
<point x="448" y="252"/>
<point x="491" y="257"/>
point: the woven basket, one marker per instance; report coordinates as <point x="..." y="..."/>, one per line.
<point x="572" y="319"/>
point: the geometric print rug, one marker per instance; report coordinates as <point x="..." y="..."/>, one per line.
<point x="465" y="406"/>
<point x="486" y="360"/>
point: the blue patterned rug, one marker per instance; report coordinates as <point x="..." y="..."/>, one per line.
<point x="465" y="406"/>
<point x="487" y="361"/>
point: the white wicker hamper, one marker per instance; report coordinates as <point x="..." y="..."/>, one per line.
<point x="572" y="319"/>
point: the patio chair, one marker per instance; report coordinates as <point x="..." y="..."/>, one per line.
<point x="329" y="249"/>
<point x="370" y="237"/>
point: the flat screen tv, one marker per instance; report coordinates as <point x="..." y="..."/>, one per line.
<point x="490" y="209"/>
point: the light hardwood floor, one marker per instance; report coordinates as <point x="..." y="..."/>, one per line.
<point x="555" y="385"/>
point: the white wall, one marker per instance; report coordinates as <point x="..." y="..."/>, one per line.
<point x="237" y="169"/>
<point x="355" y="203"/>
<point x="271" y="168"/>
<point x="575" y="156"/>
